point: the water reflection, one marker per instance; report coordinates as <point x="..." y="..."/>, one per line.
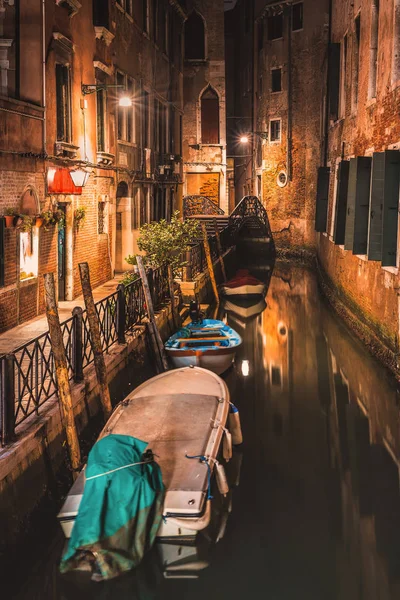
<point x="317" y="512"/>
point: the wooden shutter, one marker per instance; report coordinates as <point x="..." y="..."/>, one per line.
<point x="374" y="250"/>
<point x="356" y="233"/>
<point x="390" y="208"/>
<point x="321" y="211"/>
<point x="210" y="118"/>
<point x="2" y="225"/>
<point x="362" y="205"/>
<point x="334" y="79"/>
<point x="341" y="202"/>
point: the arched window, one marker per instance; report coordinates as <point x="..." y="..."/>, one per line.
<point x="209" y="117"/>
<point x="194" y="37"/>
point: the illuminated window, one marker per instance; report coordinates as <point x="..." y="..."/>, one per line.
<point x="29" y="253"/>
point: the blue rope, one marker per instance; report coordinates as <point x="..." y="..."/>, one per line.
<point x="203" y="459"/>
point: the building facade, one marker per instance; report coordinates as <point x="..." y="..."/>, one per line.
<point x="204" y="103"/>
<point x="64" y="67"/>
<point x="358" y="200"/>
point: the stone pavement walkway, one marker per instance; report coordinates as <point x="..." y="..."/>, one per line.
<point x="17" y="336"/>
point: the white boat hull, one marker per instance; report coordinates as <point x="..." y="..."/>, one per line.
<point x="172" y="412"/>
<point x="217" y="361"/>
<point x="244" y="290"/>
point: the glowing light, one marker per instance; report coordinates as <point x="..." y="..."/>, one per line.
<point x="244" y="139"/>
<point x="245" y="368"/>
<point x="125" y="101"/>
<point x="79" y="177"/>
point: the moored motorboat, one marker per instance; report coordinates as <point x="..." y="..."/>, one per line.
<point x="244" y="307"/>
<point x="206" y="343"/>
<point x="181" y="416"/>
<point x="243" y="284"/>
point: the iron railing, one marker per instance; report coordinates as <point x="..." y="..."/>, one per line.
<point x="252" y="213"/>
<point x="27" y="375"/>
<point x="200" y="205"/>
<point x="195" y="261"/>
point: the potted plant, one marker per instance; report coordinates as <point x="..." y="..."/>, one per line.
<point x="9" y="216"/>
<point x="79" y="216"/>
<point x="59" y="218"/>
<point x="47" y="217"/>
<point x="26" y="223"/>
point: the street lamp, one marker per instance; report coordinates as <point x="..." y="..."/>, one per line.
<point x="91" y="88"/>
<point x="244" y="139"/>
<point x="79" y="177"/>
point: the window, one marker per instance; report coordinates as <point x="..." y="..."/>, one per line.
<point x="130" y="120"/>
<point x="194" y="37"/>
<point x="321" y="208"/>
<point x="145" y="8"/>
<point x="297" y="16"/>
<point x="260" y="86"/>
<point x="155" y="20"/>
<point x="275" y="130"/>
<point x="121" y="109"/>
<point x="209" y="117"/>
<point x="100" y="110"/>
<point x="276" y="80"/>
<point x="2" y="258"/>
<point x="396" y="43"/>
<point x="343" y="77"/>
<point x="101" y="217"/>
<point x="126" y="115"/>
<point x="276" y="375"/>
<point x="171" y="142"/>
<point x="275" y="26"/>
<point x="9" y="62"/>
<point x="166" y="32"/>
<point x="126" y="5"/>
<point x="100" y="13"/>
<point x="63" y="103"/>
<point x="146" y="108"/>
<point x="373" y="49"/>
<point x="356" y="61"/>
<point x="28" y="253"/>
<point x="260" y="36"/>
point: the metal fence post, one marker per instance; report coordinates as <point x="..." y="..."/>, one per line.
<point x="150" y="279"/>
<point x="187" y="271"/>
<point x="77" y="344"/>
<point x="7" y="400"/>
<point x="121" y="314"/>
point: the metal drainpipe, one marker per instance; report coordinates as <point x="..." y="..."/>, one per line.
<point x="328" y="88"/>
<point x="289" y="120"/>
<point x="44" y="72"/>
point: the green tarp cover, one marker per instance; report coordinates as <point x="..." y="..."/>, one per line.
<point x="120" y="511"/>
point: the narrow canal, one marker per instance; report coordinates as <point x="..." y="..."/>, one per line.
<point x="314" y="510"/>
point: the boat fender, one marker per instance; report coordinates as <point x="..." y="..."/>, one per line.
<point x="227" y="445"/>
<point x="234" y="425"/>
<point x="221" y="479"/>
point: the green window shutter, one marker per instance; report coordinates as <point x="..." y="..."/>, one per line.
<point x="362" y="205"/>
<point x="2" y="224"/>
<point x="390" y="208"/>
<point x="356" y="232"/>
<point x="341" y="202"/>
<point x="376" y="206"/>
<point x="334" y="79"/>
<point x="321" y="210"/>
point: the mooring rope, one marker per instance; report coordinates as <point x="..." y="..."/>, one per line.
<point x="144" y="462"/>
<point x="203" y="459"/>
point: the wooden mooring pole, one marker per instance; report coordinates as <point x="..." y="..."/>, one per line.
<point x="60" y="362"/>
<point x="209" y="261"/>
<point x="175" y="313"/>
<point x="95" y="338"/>
<point x="153" y="329"/>
<point x="220" y="253"/>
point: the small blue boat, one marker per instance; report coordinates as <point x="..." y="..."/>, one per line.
<point x="206" y="343"/>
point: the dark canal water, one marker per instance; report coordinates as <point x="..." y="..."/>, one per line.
<point x="315" y="512"/>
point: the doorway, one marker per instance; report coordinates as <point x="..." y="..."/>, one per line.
<point x="61" y="256"/>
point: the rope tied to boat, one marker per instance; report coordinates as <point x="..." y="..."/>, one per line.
<point x="203" y="459"/>
<point x="148" y="457"/>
